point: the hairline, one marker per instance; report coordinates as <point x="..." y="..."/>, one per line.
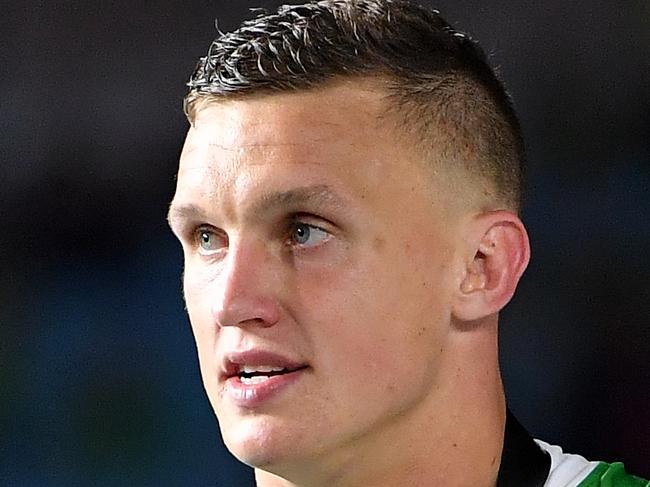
<point x="421" y="141"/>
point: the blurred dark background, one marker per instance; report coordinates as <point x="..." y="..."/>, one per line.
<point x="99" y="382"/>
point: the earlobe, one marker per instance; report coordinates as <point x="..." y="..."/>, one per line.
<point x="497" y="255"/>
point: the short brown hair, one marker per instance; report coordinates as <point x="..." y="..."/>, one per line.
<point x="438" y="77"/>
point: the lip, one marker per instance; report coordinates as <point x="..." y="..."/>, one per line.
<point x="255" y="395"/>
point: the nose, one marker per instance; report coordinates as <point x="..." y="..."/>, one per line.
<point x="245" y="292"/>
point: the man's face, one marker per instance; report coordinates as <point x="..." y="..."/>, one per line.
<point x="318" y="274"/>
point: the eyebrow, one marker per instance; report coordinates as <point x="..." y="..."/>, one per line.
<point x="179" y="212"/>
<point x="316" y="195"/>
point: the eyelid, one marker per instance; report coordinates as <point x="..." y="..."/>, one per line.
<point x="311" y="220"/>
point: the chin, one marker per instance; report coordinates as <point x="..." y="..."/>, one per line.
<point x="260" y="442"/>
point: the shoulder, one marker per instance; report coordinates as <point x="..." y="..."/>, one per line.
<point x="569" y="470"/>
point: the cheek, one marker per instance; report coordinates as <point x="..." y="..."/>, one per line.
<point x="199" y="288"/>
<point x="197" y="285"/>
<point x="383" y="319"/>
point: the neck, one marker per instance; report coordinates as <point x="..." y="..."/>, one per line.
<point x="453" y="438"/>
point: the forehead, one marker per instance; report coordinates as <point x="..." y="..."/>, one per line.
<point x="295" y="122"/>
<point x="339" y="136"/>
<point x="302" y="127"/>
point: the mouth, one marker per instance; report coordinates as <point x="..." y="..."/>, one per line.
<point x="253" y="378"/>
<point x="259" y="374"/>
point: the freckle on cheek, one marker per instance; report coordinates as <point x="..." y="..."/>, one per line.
<point x="378" y="243"/>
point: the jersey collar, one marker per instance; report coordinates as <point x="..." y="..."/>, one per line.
<point x="523" y="462"/>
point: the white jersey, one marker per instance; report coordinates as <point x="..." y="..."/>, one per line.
<point x="569" y="470"/>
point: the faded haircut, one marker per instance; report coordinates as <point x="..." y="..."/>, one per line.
<point x="437" y="78"/>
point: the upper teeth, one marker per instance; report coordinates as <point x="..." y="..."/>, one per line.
<point x="251" y="369"/>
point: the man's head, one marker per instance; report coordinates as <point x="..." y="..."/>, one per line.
<point x="350" y="235"/>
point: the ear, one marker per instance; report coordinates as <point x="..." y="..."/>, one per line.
<point x="496" y="256"/>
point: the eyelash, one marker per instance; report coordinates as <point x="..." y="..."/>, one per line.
<point x="199" y="230"/>
<point x="298" y="221"/>
<point x="288" y="233"/>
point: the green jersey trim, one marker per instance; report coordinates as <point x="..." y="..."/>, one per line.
<point x="612" y="475"/>
<point x="575" y="471"/>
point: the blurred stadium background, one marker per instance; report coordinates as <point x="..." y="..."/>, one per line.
<point x="99" y="383"/>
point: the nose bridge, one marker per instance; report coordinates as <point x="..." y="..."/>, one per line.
<point x="245" y="294"/>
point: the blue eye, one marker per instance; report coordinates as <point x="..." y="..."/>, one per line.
<point x="307" y="235"/>
<point x="208" y="240"/>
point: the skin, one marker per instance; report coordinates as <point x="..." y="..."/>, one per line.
<point x="392" y="301"/>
